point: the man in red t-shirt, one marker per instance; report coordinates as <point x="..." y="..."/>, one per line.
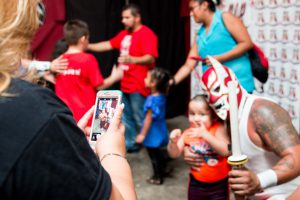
<point x="78" y="84"/>
<point x="138" y="51"/>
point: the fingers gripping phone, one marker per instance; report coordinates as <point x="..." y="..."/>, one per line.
<point x="105" y="107"/>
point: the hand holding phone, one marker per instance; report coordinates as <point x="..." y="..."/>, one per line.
<point x="105" y="107"/>
<point x="113" y="141"/>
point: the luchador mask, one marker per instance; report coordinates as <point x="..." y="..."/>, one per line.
<point x="215" y="83"/>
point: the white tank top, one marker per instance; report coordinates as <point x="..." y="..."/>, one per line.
<point x="260" y="159"/>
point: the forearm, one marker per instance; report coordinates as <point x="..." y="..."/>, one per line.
<point x="121" y="176"/>
<point x="146" y="126"/>
<point x="220" y="146"/>
<point x="182" y="73"/>
<point x="36" y="65"/>
<point x="240" y="49"/>
<point x="100" y="46"/>
<point x="143" y="60"/>
<point x="288" y="167"/>
<point x="188" y="66"/>
<point x="173" y="150"/>
<point x="109" y="81"/>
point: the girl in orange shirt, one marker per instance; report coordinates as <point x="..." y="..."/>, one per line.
<point x="207" y="136"/>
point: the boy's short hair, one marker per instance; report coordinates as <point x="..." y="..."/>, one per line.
<point x="74" y="30"/>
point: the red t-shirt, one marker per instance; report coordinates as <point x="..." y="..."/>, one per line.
<point x="77" y="85"/>
<point x="215" y="167"/>
<point x="138" y="43"/>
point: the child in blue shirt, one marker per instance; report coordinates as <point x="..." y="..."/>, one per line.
<point x="154" y="132"/>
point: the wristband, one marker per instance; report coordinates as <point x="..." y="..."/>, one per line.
<point x="267" y="178"/>
<point x="112" y="154"/>
<point x="40" y="65"/>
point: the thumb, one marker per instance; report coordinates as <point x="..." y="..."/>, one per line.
<point x="175" y="133"/>
<point x="85" y="119"/>
<point x="116" y="121"/>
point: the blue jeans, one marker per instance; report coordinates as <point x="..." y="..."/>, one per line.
<point x="133" y="116"/>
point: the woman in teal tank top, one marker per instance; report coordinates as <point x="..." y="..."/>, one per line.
<point x="223" y="36"/>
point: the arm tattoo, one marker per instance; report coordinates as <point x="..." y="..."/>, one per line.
<point x="286" y="164"/>
<point x="274" y="126"/>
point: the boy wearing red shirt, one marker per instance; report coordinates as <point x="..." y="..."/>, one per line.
<point x="78" y="84"/>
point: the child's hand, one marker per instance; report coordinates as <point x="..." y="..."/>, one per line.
<point x="175" y="135"/>
<point x="198" y="132"/>
<point x="59" y="65"/>
<point x="140" y="138"/>
<point x="194" y="132"/>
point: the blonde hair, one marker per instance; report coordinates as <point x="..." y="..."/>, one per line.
<point x="18" y="23"/>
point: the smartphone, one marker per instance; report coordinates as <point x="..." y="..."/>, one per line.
<point x="105" y="107"/>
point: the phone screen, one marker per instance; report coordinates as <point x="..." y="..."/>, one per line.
<point x="104" y="111"/>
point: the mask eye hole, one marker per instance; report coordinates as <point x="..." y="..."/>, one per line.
<point x="218" y="107"/>
<point x="217" y="89"/>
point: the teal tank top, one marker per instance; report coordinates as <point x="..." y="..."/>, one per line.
<point x="218" y="41"/>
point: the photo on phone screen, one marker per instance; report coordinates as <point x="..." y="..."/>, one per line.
<point x="105" y="107"/>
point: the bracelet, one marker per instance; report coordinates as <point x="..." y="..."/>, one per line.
<point x="267" y="178"/>
<point x="112" y="154"/>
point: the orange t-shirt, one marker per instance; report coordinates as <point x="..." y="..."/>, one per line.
<point x="215" y="167"/>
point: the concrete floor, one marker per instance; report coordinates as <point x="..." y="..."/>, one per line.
<point x="174" y="187"/>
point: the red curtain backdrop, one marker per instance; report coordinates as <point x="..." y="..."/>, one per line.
<point x="52" y="30"/>
<point x="185" y="13"/>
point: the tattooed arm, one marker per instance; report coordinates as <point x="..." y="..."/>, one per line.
<point x="277" y="134"/>
<point x="274" y="126"/>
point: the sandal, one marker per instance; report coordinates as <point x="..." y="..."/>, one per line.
<point x="155" y="181"/>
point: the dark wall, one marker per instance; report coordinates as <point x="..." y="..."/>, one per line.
<point x="162" y="16"/>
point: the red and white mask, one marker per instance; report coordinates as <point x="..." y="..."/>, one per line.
<point x="215" y="83"/>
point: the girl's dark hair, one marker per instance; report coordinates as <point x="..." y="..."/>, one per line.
<point x="161" y="77"/>
<point x="211" y="4"/>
